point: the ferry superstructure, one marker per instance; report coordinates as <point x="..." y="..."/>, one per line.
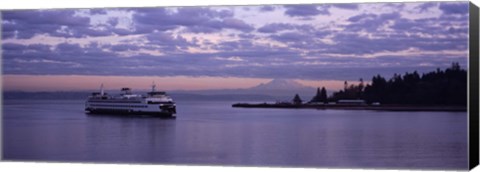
<point x="156" y="103"/>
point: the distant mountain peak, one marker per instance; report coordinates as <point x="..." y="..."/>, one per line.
<point x="280" y="84"/>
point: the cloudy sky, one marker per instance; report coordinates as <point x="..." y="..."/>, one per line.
<point x="228" y="46"/>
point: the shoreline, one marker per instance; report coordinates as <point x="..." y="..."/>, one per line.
<point x="355" y="107"/>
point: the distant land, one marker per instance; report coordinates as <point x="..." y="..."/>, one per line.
<point x="275" y="90"/>
<point x="439" y="90"/>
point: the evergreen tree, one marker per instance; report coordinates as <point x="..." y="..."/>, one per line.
<point x="439" y="87"/>
<point x="297" y="100"/>
<point x="323" y="95"/>
<point x="317" y="97"/>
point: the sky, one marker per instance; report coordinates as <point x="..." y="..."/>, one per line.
<point x="215" y="47"/>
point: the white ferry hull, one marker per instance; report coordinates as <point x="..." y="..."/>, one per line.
<point x="154" y="103"/>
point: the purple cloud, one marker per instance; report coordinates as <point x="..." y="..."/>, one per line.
<point x="246" y="36"/>
<point x="348" y="43"/>
<point x="39" y="47"/>
<point x="98" y="11"/>
<point x="308" y="52"/>
<point x="348" y="6"/>
<point x="237" y="24"/>
<point x="426" y="6"/>
<point x="361" y="17"/>
<point x="123" y="47"/>
<point x="395" y="5"/>
<point x="195" y="19"/>
<point x="275" y="27"/>
<point x="241" y="45"/>
<point x="12" y="47"/>
<point x="113" y="21"/>
<point x="121" y="32"/>
<point x="305" y="10"/>
<point x="168" y="42"/>
<point x="58" y="23"/>
<point x="66" y="48"/>
<point x="389" y="16"/>
<point x="267" y="8"/>
<point x="46" y="17"/>
<point x="370" y="22"/>
<point x="292" y="37"/>
<point x="217" y="26"/>
<point x="454" y="8"/>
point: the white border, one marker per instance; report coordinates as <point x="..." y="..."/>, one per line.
<point x="51" y="167"/>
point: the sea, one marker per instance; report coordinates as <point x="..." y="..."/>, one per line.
<point x="213" y="133"/>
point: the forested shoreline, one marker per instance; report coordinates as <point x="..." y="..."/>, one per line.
<point x="440" y="87"/>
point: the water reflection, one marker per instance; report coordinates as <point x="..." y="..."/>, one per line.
<point x="213" y="133"/>
<point x="128" y="138"/>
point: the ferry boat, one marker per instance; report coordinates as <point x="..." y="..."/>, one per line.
<point x="156" y="103"/>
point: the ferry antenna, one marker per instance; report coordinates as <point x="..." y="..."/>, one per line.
<point x="101" y="90"/>
<point x="153" y="86"/>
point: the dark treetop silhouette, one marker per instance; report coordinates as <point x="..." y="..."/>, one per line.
<point x="440" y="87"/>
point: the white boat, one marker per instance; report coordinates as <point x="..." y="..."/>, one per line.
<point x="156" y="103"/>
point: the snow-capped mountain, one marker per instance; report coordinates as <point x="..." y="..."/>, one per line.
<point x="275" y="90"/>
<point x="281" y="84"/>
<point x="283" y="88"/>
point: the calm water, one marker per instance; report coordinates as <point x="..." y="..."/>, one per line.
<point x="213" y="133"/>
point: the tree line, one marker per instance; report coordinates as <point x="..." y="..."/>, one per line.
<point x="440" y="87"/>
